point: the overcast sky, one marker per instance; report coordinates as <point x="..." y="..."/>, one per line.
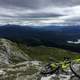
<point x="60" y="10"/>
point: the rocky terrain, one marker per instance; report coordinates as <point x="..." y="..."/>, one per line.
<point x="17" y="64"/>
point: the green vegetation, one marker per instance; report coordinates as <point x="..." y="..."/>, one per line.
<point x="41" y="53"/>
<point x="44" y="53"/>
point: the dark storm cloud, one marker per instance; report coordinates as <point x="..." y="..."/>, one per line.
<point x="34" y="4"/>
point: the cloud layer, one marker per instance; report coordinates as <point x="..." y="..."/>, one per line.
<point x="56" y="11"/>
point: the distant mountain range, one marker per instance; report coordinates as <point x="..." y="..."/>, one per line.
<point x="53" y="36"/>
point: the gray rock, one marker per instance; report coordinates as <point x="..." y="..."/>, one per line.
<point x="11" y="53"/>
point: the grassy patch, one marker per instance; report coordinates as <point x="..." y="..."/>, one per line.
<point x="44" y="53"/>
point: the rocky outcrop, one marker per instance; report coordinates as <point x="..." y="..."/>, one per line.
<point x="70" y="73"/>
<point x="11" y="53"/>
<point x="15" y="64"/>
<point x="28" y="70"/>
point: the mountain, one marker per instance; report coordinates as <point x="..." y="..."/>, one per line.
<point x="51" y="36"/>
<point x="21" y="62"/>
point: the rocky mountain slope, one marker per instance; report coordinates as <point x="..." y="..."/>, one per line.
<point x="21" y="62"/>
<point x="14" y="63"/>
<point x="10" y="53"/>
